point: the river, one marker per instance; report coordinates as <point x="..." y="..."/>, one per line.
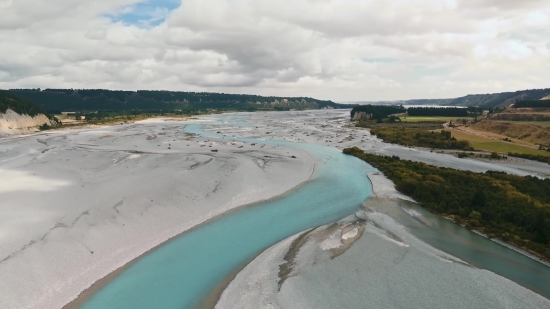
<point x="183" y="272"/>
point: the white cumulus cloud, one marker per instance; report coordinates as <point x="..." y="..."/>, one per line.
<point x="342" y="50"/>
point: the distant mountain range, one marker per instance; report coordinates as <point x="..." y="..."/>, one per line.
<point x="58" y="100"/>
<point x="483" y="100"/>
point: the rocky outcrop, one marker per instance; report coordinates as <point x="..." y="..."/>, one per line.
<point x="13" y="123"/>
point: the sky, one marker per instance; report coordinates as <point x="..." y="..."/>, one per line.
<point x="341" y="50"/>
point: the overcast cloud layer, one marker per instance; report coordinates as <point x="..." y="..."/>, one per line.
<point x="342" y="50"/>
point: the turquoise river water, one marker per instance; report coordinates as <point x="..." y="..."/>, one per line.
<point x="184" y="271"/>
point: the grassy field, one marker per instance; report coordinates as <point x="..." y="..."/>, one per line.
<point x="490" y="145"/>
<point x="421" y="119"/>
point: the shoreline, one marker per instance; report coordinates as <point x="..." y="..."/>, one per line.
<point x="496" y="240"/>
<point x="95" y="285"/>
<point x="87" y="293"/>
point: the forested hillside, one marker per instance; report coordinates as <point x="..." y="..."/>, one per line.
<point x="487" y="101"/>
<point x="18" y="105"/>
<point x="57" y="100"/>
<point x="535" y="104"/>
<point x="491" y="100"/>
<point x="500" y="99"/>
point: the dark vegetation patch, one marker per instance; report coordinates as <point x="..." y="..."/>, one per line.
<point x="513" y="208"/>
<point x="18" y="105"/>
<point x="378" y="111"/>
<point x="532" y="103"/>
<point x="420" y="138"/>
<point x="58" y="100"/>
<point x="489" y="100"/>
<point x="533" y="157"/>
<point x="435" y="111"/>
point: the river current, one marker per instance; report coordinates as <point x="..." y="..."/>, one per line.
<point x="183" y="272"/>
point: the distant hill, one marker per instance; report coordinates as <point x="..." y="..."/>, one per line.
<point x="57" y="100"/>
<point x="18" y="105"/>
<point x="18" y="116"/>
<point x="500" y="99"/>
<point x="489" y="100"/>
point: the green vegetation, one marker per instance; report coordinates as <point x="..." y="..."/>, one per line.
<point x="492" y="156"/>
<point x="485" y="144"/>
<point x="393" y="129"/>
<point x="486" y="101"/>
<point x="420" y="138"/>
<point x="434" y="119"/>
<point x="18" y="105"/>
<point x="66" y="100"/>
<point x="117" y="117"/>
<point x="513" y="208"/>
<point x="437" y="111"/>
<point x="534" y="157"/>
<point x="44" y="127"/>
<point x="101" y="116"/>
<point x="378" y="112"/>
<point x="533" y="103"/>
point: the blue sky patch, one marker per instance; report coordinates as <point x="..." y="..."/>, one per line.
<point x="146" y="14"/>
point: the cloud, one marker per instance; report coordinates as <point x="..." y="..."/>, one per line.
<point x="319" y="48"/>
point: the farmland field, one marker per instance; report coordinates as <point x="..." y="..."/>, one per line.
<point x="491" y="145"/>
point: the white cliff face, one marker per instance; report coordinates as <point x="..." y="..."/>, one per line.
<point x="13" y="123"/>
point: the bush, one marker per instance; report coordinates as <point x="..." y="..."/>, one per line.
<point x="44" y="127"/>
<point x="495" y="203"/>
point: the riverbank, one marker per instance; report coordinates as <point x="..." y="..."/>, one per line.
<point x="386" y="267"/>
<point x="102" y="197"/>
<point x="475" y="200"/>
<point x="385" y="188"/>
<point x="164" y="178"/>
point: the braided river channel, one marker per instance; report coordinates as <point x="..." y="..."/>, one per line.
<point x="184" y="272"/>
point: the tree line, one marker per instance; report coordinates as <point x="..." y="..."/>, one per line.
<point x="533" y="157"/>
<point x="534" y="104"/>
<point x="437" y="111"/>
<point x="419" y="138"/>
<point x="57" y="100"/>
<point x="513" y="208"/>
<point x="378" y="111"/>
<point x="18" y="105"/>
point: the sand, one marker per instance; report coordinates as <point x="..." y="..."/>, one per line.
<point x="383" y="267"/>
<point x="11" y="123"/>
<point x="79" y="204"/>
